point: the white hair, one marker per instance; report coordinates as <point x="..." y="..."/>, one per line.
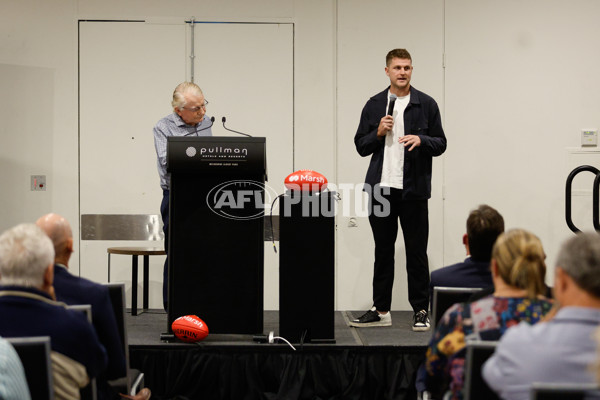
<point x="181" y="90"/>
<point x="25" y="253"/>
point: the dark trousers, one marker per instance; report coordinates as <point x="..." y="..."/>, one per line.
<point x="414" y="220"/>
<point x="164" y="212"/>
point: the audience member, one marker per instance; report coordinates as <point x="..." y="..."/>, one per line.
<point x="28" y="308"/>
<point x="561" y="349"/>
<point x="484" y="224"/>
<point x="518" y="272"/>
<point x="597" y="364"/>
<point x="72" y="289"/>
<point x="13" y="385"/>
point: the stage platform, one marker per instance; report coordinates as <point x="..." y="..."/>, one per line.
<point x="365" y="363"/>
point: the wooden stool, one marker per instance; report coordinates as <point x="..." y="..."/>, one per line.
<point x="134" y="252"/>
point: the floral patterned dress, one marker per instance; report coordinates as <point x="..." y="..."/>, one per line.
<point x="484" y="319"/>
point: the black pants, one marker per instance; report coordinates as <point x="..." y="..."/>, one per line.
<point x="164" y="212"/>
<point x="414" y="220"/>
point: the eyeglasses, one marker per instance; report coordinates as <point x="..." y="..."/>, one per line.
<point x="196" y="109"/>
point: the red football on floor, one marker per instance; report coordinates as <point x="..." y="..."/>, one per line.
<point x="189" y="328"/>
<point x="306" y="180"/>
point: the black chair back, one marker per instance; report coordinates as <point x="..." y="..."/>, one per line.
<point x="445" y="297"/>
<point x="135" y="378"/>
<point x="116" y="292"/>
<point x="34" y="353"/>
<point x="564" y="391"/>
<point x="475" y="387"/>
<point x="90" y="392"/>
<point x="84" y="308"/>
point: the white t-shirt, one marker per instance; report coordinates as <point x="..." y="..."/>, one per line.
<point x="392" y="174"/>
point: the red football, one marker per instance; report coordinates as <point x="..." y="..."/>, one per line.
<point x="306" y="180"/>
<point x="189" y="328"/>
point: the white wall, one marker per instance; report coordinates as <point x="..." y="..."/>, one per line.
<point x="38" y="110"/>
<point x="519" y="84"/>
<point x="365" y="34"/>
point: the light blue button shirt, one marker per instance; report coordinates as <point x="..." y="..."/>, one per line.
<point x="173" y="125"/>
<point x="562" y="350"/>
<point x="13" y="385"/>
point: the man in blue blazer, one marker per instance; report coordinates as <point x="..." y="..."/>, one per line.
<point x="484" y="225"/>
<point x="72" y="289"/>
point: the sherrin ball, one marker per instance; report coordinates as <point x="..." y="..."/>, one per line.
<point x="189" y="328"/>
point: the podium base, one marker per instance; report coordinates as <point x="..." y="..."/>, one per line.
<point x="321" y="341"/>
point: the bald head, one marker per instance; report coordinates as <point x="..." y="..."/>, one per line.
<point x="59" y="231"/>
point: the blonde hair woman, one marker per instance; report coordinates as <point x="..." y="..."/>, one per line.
<point x="518" y="271"/>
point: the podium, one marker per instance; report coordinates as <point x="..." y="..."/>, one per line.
<point x="306" y="267"/>
<point x="216" y="231"/>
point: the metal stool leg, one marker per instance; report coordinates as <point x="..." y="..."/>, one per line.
<point x="134" y="283"/>
<point x="146" y="281"/>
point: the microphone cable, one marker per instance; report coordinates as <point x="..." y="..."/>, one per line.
<point x="231" y="130"/>
<point x="271" y="222"/>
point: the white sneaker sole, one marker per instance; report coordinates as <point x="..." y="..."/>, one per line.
<point x="368" y="324"/>
<point x="421" y="328"/>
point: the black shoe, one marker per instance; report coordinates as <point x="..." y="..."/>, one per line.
<point x="421" y="322"/>
<point x="372" y="318"/>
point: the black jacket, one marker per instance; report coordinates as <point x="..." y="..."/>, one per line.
<point x="421" y="118"/>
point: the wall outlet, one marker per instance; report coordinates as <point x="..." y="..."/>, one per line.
<point x="38" y="182"/>
<point x="589" y="137"/>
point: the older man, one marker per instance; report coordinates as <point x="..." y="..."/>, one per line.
<point x="563" y="349"/>
<point x="187" y="119"/>
<point x="72" y="289"/>
<point x="27" y="308"/>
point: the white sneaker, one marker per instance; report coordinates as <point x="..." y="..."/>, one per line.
<point x="372" y="318"/>
<point x="421" y="321"/>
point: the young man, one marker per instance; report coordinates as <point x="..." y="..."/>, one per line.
<point x="401" y="139"/>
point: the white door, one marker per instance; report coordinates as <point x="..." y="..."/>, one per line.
<point x="128" y="71"/>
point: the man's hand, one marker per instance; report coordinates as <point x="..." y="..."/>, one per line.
<point x="410" y="140"/>
<point x="385" y="125"/>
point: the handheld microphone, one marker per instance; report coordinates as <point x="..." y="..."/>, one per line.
<point x="212" y="121"/>
<point x="393" y="98"/>
<point x="231" y="130"/>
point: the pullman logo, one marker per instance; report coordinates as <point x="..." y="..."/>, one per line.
<point x="190" y="151"/>
<point x="240" y="199"/>
<point x="223" y="152"/>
